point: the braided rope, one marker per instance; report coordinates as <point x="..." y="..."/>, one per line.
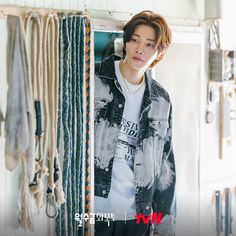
<point x="64" y="113"/>
<point x="74" y="167"/>
<point x="70" y="217"/>
<point x="87" y="139"/>
<point x="72" y="104"/>
<point x="83" y="118"/>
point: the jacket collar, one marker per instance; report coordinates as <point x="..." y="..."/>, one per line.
<point x="106" y="69"/>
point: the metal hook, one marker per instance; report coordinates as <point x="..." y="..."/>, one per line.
<point x="38" y="149"/>
<point x="51" y="202"/>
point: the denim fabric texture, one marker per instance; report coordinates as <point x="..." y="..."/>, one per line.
<point x="154" y="166"/>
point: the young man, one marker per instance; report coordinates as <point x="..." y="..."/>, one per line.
<point x="134" y="161"/>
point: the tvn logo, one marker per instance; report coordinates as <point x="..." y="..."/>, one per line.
<point x="151" y="218"/>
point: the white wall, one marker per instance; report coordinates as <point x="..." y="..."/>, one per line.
<point x="184" y="9"/>
<point x="227" y="29"/>
<point x="180" y="76"/>
<point x="200" y="172"/>
<point x="57" y="4"/>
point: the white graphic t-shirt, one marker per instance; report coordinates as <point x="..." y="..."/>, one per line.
<point x="121" y="198"/>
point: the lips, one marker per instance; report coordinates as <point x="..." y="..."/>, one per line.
<point x="138" y="59"/>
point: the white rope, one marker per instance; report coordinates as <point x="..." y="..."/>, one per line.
<point x="33" y="26"/>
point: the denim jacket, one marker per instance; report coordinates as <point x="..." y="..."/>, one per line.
<point x="154" y="166"/>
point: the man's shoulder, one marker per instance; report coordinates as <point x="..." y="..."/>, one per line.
<point x="158" y="90"/>
<point x="106" y="66"/>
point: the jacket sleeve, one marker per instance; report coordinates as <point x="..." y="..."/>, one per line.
<point x="164" y="196"/>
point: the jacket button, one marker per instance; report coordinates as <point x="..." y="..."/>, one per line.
<point x="104" y="192"/>
<point x="120" y="105"/>
<point x="106" y="169"/>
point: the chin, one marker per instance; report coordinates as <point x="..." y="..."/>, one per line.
<point x="140" y="67"/>
<point x="137" y="66"/>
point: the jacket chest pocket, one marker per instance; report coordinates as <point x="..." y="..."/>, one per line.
<point x="159" y="128"/>
<point x="100" y="107"/>
<point x="101" y="102"/>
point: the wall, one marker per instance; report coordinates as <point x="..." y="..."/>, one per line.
<point x="184" y="9"/>
<point x="227" y="32"/>
<point x="200" y="172"/>
<point x="180" y="76"/>
<point x="60" y="4"/>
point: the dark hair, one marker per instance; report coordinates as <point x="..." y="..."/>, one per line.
<point x="154" y="20"/>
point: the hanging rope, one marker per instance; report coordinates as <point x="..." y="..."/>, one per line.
<point x="72" y="121"/>
<point x="44" y="33"/>
<point x="59" y="122"/>
<point x="87" y="138"/>
<point x="64" y="103"/>
<point x="34" y="30"/>
<point x="55" y="195"/>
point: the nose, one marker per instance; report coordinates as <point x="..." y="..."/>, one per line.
<point x="140" y="49"/>
<point x="140" y="52"/>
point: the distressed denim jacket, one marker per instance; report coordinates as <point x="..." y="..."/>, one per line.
<point x="154" y="166"/>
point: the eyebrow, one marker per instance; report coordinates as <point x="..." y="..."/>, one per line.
<point x="147" y="39"/>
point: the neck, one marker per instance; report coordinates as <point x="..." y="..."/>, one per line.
<point x="130" y="74"/>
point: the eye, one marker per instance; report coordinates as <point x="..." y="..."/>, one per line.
<point x="150" y="45"/>
<point x="134" y="40"/>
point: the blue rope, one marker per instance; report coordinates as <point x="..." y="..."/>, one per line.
<point x="74" y="113"/>
<point x="59" y="115"/>
<point x="65" y="110"/>
<point x="70" y="121"/>
<point x="73" y="188"/>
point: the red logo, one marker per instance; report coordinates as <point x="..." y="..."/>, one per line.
<point x="153" y="218"/>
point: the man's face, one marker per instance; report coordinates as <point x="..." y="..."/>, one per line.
<point x="141" y="50"/>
